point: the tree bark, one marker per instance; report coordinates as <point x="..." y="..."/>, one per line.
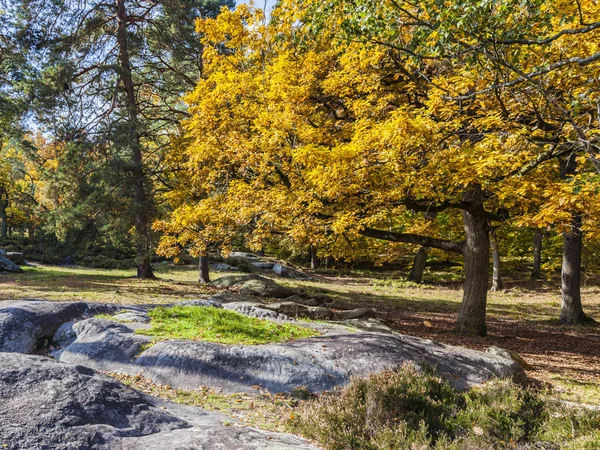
<point x="142" y="207"/>
<point x="571" y="311"/>
<point x="536" y="273"/>
<point x="203" y="272"/>
<point x="471" y="315"/>
<point x="497" y="284"/>
<point x="4" y="219"/>
<point x="418" y="267"/>
<point x="314" y="259"/>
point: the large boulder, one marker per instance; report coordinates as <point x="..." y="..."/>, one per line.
<point x="319" y="363"/>
<point x="251" y="284"/>
<point x="25" y="324"/>
<point x="6" y="265"/>
<point x="51" y="405"/>
<point x="2" y="252"/>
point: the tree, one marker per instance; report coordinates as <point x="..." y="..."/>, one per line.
<point x="112" y="74"/>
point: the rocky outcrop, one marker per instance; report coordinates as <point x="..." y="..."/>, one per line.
<point x="52" y="405"/>
<point x="6" y="265"/>
<point x="251" y="284"/>
<point x="16" y="257"/>
<point x="26" y="324"/>
<point x="288" y="272"/>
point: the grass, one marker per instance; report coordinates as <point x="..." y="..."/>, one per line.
<point x="262" y="410"/>
<point x="219" y="325"/>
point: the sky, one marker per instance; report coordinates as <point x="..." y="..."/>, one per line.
<point x="259" y="3"/>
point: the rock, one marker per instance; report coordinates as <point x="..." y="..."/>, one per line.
<point x="319" y="363"/>
<point x="68" y="261"/>
<point x="254" y="309"/>
<point x="251" y="284"/>
<point x="2" y="252"/>
<point x="319" y="313"/>
<point x="369" y="325"/>
<point x="25" y="322"/>
<point x="223" y="267"/>
<point x="323" y="298"/>
<point x="243" y="255"/>
<point x="212" y="302"/>
<point x="263" y="265"/>
<point x="509" y="354"/>
<point x="288" y="308"/>
<point x="359" y="313"/>
<point x="132" y="317"/>
<point x="288" y="272"/>
<point x="64" y="336"/>
<point x="304" y="301"/>
<point x="100" y="343"/>
<point x="16" y="257"/>
<point x="51" y="405"/>
<point x="6" y="265"/>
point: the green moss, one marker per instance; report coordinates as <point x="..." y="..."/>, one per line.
<point x="219" y="325"/>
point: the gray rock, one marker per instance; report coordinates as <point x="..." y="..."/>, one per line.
<point x="51" y="405"/>
<point x="263" y="264"/>
<point x="6" y="265"/>
<point x="323" y="298"/>
<point x="288" y="272"/>
<point x="2" y="252"/>
<point x="254" y="309"/>
<point x="319" y="313"/>
<point x="64" y="336"/>
<point x="212" y="302"/>
<point x="304" y="301"/>
<point x="509" y="355"/>
<point x="369" y="325"/>
<point x="16" y="257"/>
<point x="359" y="313"/>
<point x="288" y="308"/>
<point x="102" y="343"/>
<point x="319" y="363"/>
<point x="223" y="267"/>
<point x="242" y="255"/>
<point x="25" y="322"/>
<point x="250" y="284"/>
<point x="132" y="317"/>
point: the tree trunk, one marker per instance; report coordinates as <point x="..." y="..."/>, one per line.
<point x="418" y="267"/>
<point x="571" y="311"/>
<point x="142" y="208"/>
<point x="203" y="276"/>
<point x="471" y="315"/>
<point x="314" y="259"/>
<point x="329" y="262"/>
<point x="4" y="219"/>
<point x="536" y="273"/>
<point x="497" y="284"/>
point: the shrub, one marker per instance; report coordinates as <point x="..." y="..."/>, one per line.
<point x="415" y="409"/>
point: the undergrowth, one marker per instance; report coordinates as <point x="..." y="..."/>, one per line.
<point x="408" y="409"/>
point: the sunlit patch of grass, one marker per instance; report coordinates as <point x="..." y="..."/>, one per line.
<point x="219" y="325"/>
<point x="576" y="391"/>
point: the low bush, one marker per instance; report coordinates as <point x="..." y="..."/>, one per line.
<point x="415" y="409"/>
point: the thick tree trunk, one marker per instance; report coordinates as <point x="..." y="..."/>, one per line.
<point x="536" y="273"/>
<point x="497" y="284"/>
<point x="142" y="207"/>
<point x="571" y="311"/>
<point x="314" y="259"/>
<point x="418" y="267"/>
<point x="203" y="273"/>
<point x="471" y="315"/>
<point x="329" y="262"/>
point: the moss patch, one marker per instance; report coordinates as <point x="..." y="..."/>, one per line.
<point x="219" y="325"/>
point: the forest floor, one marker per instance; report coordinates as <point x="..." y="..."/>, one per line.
<point x="522" y="318"/>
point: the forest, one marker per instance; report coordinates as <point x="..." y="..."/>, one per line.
<point x="429" y="168"/>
